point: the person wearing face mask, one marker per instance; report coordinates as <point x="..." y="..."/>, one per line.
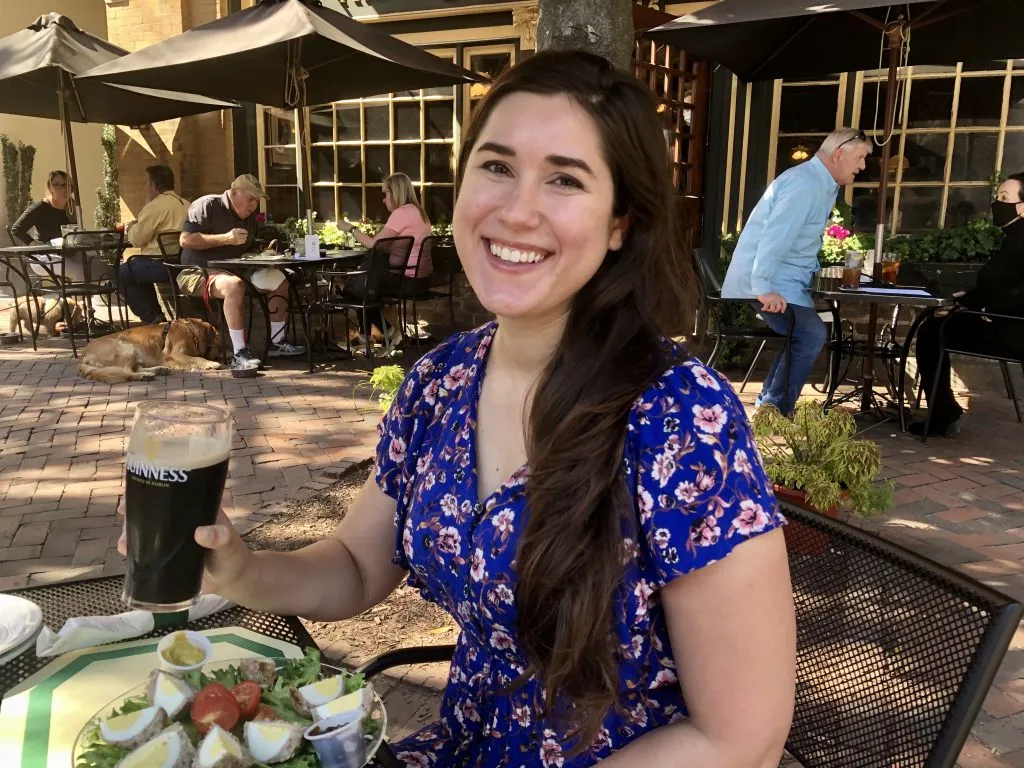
<point x="1000" y="290"/>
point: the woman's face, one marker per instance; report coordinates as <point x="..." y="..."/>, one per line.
<point x="389" y="201"/>
<point x="58" y="189"/>
<point x="1010" y="192"/>
<point x="533" y="221"/>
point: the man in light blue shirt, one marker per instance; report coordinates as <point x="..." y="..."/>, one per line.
<point x="777" y="255"/>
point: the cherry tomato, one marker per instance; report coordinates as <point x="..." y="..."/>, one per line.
<point x="266" y="712"/>
<point x="214" y="705"/>
<point x="247" y="694"/>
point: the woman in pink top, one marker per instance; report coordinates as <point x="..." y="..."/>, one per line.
<point x="407" y="219"/>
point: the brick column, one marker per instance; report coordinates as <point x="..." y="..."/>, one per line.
<point x="198" y="148"/>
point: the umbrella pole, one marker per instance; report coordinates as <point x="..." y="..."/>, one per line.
<point x="895" y="34"/>
<point x="306" y="178"/>
<point x="69" y="152"/>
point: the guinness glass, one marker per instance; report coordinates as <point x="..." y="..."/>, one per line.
<point x="174" y="479"/>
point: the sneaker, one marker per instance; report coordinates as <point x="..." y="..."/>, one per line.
<point x="284" y="349"/>
<point x="396" y="337"/>
<point x="952" y="429"/>
<point x="243" y="358"/>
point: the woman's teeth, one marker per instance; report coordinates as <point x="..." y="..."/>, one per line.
<point x="515" y="255"/>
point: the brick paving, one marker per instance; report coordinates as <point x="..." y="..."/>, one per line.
<point x="959" y="502"/>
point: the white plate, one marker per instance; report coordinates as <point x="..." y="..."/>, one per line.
<point x="20" y="620"/>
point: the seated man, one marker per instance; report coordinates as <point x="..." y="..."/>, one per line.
<point x="164" y="211"/>
<point x="777" y="255"/>
<point x="224" y="227"/>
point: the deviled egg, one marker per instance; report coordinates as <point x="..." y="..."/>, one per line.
<point x="173" y="694"/>
<point x="272" y="741"/>
<point x="219" y="749"/>
<point x="134" y="728"/>
<point x="171" y="748"/>
<point x="315" y="694"/>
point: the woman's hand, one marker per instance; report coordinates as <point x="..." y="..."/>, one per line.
<point x="228" y="560"/>
<point x="345" y="225"/>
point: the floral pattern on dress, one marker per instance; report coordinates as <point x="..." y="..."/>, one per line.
<point x="698" y="489"/>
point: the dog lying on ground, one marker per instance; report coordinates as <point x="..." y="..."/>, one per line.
<point x="52" y="321"/>
<point x="143" y="352"/>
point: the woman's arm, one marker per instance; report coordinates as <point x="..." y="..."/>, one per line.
<point x="331" y="580"/>
<point x="366" y="241"/>
<point x="733" y="636"/>
<point x="27" y="220"/>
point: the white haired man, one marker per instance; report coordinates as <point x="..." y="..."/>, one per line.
<point x="777" y="255"/>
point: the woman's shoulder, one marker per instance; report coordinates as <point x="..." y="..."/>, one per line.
<point x="449" y="365"/>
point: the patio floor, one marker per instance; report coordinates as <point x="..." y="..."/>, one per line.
<point x="62" y="439"/>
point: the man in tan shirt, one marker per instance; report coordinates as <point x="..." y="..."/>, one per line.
<point x="164" y="212"/>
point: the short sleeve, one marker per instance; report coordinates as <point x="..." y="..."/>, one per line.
<point x="700" y="487"/>
<point x="196" y="220"/>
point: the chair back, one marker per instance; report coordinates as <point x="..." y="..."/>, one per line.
<point x="378" y="265"/>
<point x="710" y="282"/>
<point x="425" y="261"/>
<point x="98" y="251"/>
<point x="399" y="249"/>
<point x="445" y="260"/>
<point x="170" y="246"/>
<point x="895" y="653"/>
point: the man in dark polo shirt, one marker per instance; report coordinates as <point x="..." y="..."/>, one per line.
<point x="224" y="227"/>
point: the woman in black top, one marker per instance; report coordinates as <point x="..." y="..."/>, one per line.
<point x="45" y="217"/>
<point x="1000" y="290"/>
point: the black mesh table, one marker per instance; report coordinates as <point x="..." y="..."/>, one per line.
<point x="101" y="597"/>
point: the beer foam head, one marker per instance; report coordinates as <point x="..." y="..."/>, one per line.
<point x="184" y="453"/>
<point x="179" y="435"/>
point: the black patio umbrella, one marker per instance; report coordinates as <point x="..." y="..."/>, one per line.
<point x="760" y="40"/>
<point x="284" y="53"/>
<point x="36" y="69"/>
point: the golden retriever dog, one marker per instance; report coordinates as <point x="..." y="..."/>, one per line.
<point x="52" y="321"/>
<point x="143" y="352"/>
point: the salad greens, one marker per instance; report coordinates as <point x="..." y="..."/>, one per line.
<point x="293" y="673"/>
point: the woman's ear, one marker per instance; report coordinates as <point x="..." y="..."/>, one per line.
<point x="617" y="235"/>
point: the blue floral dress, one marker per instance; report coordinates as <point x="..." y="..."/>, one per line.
<point x="699" y="490"/>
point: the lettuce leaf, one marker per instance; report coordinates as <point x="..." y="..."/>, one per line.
<point x="300" y="672"/>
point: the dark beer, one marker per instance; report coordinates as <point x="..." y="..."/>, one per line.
<point x="174" y="478"/>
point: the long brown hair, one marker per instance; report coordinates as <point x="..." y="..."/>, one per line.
<point x="570" y="556"/>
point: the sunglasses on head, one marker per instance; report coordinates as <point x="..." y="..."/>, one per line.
<point x="859" y="136"/>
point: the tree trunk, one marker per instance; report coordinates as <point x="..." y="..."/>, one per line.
<point x="604" y="27"/>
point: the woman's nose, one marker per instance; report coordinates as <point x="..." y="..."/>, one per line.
<point x="522" y="206"/>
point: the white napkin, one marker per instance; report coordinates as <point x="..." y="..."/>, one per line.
<point x="89" y="631"/>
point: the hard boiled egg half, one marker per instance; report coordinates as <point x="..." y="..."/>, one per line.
<point x="170" y="749"/>
<point x="133" y="728"/>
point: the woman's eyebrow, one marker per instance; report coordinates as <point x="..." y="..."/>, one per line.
<point x="562" y="161"/>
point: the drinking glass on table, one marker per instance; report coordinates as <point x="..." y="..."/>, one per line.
<point x="890" y="270"/>
<point x="174" y="479"/>
<point x="852" y="267"/>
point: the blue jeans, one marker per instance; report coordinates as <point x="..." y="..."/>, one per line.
<point x="135" y="281"/>
<point x="809" y="335"/>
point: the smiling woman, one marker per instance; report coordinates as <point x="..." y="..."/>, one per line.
<point x="577" y="491"/>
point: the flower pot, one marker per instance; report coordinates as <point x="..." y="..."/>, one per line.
<point x="808" y="541"/>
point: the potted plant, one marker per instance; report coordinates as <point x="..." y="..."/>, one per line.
<point x="817" y="462"/>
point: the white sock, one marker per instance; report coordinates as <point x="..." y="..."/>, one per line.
<point x="237" y="338"/>
<point x="277" y="331"/>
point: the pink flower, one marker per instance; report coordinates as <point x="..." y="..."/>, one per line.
<point x="261" y="218"/>
<point x="643" y="592"/>
<point x="407" y="540"/>
<point x="502" y="594"/>
<point x="477" y="565"/>
<point x="751" y="519"/>
<point x="710" y="420"/>
<point x="456" y="377"/>
<point x="663" y="468"/>
<point x="501" y="639"/>
<point x="838" y="231"/>
<point x="705" y="379"/>
<point x="662" y="537"/>
<point x="414" y="759"/>
<point x="706" y="532"/>
<point x="686" y="492"/>
<point x="449" y="541"/>
<point x="551" y="751"/>
<point x="521" y="714"/>
<point x="646" y="502"/>
<point x="396" y="450"/>
<point x="705" y="480"/>
<point x="467" y="711"/>
<point x="449" y="505"/>
<point x="503" y="521"/>
<point x="663" y="678"/>
<point x="637" y="645"/>
<point x="430" y="392"/>
<point x="741" y="463"/>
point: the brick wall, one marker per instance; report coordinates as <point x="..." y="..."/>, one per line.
<point x="198" y="148"/>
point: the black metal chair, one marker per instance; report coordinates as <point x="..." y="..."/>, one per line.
<point x="895" y="653"/>
<point x="722" y="329"/>
<point x="170" y="252"/>
<point x="7" y="264"/>
<point x="1003" y="361"/>
<point x="97" y="254"/>
<point x="336" y="302"/>
<point x="437" y="285"/>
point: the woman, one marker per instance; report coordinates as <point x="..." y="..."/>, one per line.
<point x="581" y="495"/>
<point x="45" y="217"/>
<point x="1000" y="290"/>
<point x="407" y="219"/>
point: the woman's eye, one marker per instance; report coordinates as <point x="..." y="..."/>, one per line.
<point x="567" y="181"/>
<point x="496" y="166"/>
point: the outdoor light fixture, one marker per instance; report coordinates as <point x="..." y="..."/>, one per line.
<point x="800" y="154"/>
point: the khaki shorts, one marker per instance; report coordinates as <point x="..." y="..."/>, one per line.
<point x="191" y="282"/>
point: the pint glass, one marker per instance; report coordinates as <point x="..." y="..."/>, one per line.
<point x="174" y="478"/>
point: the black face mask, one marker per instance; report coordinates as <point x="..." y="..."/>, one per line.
<point x="1004" y="214"/>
